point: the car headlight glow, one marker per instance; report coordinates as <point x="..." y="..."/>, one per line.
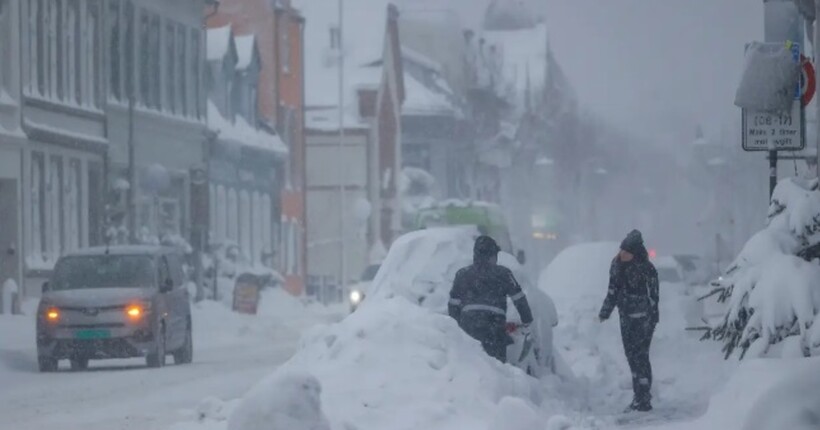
<point x="355" y="297"/>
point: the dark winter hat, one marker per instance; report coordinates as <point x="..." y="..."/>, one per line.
<point x="485" y="246"/>
<point x="633" y="243"/>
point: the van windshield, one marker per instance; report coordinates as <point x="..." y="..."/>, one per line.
<point x="103" y="271"/>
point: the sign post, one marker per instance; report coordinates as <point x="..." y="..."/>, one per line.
<point x="777" y="131"/>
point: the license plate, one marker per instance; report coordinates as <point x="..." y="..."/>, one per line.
<point x="92" y="334"/>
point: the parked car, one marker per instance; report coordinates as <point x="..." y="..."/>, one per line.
<point x="115" y="302"/>
<point x="359" y="291"/>
<point x="421" y="266"/>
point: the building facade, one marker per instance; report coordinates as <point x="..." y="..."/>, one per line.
<point x="64" y="123"/>
<point x="353" y="142"/>
<point x="278" y="29"/>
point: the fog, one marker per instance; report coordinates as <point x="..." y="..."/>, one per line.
<point x="648" y="75"/>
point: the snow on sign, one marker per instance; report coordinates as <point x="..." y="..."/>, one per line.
<point x="777" y="131"/>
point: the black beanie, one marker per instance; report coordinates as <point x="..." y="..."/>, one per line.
<point x="633" y="243"/>
<point x="485" y="247"/>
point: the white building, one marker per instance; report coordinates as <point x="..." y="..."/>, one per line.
<point x="64" y="122"/>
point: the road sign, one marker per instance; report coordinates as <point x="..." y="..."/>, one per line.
<point x="777" y="131"/>
<point x="781" y="131"/>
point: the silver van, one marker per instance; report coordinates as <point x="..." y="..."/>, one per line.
<point x="115" y="302"/>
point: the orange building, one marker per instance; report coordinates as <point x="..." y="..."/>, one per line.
<point x="279" y="28"/>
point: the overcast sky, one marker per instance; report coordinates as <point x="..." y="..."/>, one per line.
<point x="650" y="66"/>
<point x="653" y="65"/>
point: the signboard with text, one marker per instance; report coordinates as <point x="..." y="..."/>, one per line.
<point x="775" y="131"/>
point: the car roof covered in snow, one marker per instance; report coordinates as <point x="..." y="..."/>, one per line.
<point x="122" y="250"/>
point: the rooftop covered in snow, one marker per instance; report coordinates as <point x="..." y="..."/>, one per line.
<point x="218" y="42"/>
<point x="242" y="133"/>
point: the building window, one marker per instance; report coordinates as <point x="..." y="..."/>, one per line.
<point x="267" y="229"/>
<point x="73" y="211"/>
<point x="180" y="71"/>
<point x="284" y="46"/>
<point x="233" y="217"/>
<point x="93" y="53"/>
<point x="52" y="19"/>
<point x="221" y="214"/>
<point x="73" y="45"/>
<point x="32" y="48"/>
<point x="170" y="66"/>
<point x="54" y="208"/>
<point x="334" y="38"/>
<point x="38" y="206"/>
<point x="115" y="50"/>
<point x="245" y="224"/>
<point x="145" y="60"/>
<point x="156" y="55"/>
<point x="195" y="90"/>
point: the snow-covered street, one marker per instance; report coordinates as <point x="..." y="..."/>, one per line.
<point x="232" y="352"/>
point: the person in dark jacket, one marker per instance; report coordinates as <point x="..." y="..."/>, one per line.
<point x="478" y="299"/>
<point x="633" y="288"/>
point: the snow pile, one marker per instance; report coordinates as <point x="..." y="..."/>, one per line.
<point x="421" y="266"/>
<point x="395" y="365"/>
<point x="286" y="401"/>
<point x="772" y="293"/>
<point x="763" y="395"/>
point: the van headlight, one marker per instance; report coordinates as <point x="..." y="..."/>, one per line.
<point x="356" y="297"/>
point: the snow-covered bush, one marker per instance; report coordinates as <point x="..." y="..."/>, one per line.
<point x="772" y="289"/>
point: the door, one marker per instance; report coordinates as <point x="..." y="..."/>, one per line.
<point x="9" y="248"/>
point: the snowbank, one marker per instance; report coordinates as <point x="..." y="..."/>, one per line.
<point x="763" y="395"/>
<point x="400" y="366"/>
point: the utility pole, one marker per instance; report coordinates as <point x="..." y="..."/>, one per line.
<point x="339" y="163"/>
<point x="782" y="23"/>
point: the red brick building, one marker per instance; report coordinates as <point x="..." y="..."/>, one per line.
<point x="278" y="28"/>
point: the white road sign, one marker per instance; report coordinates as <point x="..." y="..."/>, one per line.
<point x="782" y="131"/>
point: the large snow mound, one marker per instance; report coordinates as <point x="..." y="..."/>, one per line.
<point x="400" y="366"/>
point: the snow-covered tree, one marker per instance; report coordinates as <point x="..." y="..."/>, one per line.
<point x="772" y="290"/>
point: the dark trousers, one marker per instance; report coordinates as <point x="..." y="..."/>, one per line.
<point x="489" y="330"/>
<point x="636" y="334"/>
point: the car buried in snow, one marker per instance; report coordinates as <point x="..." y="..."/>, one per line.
<point x="421" y="266"/>
<point x="115" y="302"/>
